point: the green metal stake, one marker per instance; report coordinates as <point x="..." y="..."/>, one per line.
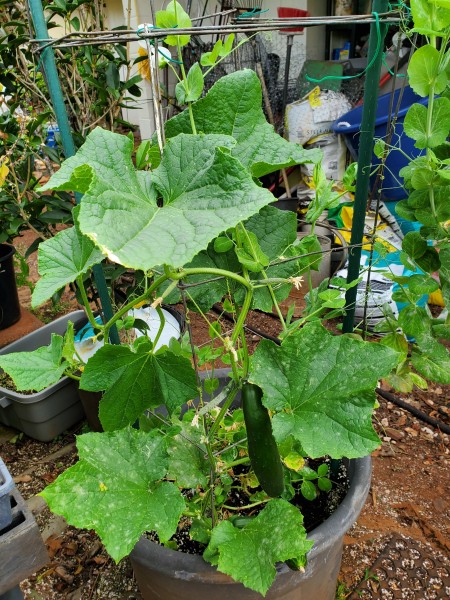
<point x="364" y="160"/>
<point x="57" y="99"/>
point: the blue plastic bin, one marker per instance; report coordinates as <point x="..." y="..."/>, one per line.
<point x="349" y="125"/>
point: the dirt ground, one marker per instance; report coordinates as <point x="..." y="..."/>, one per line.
<point x="409" y="495"/>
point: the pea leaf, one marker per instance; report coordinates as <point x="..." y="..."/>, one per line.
<point x="120" y="211"/>
<point x="209" y="59"/>
<point x="192" y="88"/>
<point x="432" y="360"/>
<point x="415" y="123"/>
<point x="444" y="274"/>
<point x="422" y="284"/>
<point x="222" y="244"/>
<point x="414" y="245"/>
<point x="424" y="71"/>
<point x="38" y="369"/>
<point x="250" y="255"/>
<point x="414" y="321"/>
<point x="430" y="20"/>
<point x="62" y="259"/>
<point x="174" y="16"/>
<point x="116" y="490"/>
<point x="233" y="107"/>
<point x="317" y="395"/>
<point x="234" y="552"/>
<point x="136" y="379"/>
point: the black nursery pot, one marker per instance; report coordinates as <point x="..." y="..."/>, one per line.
<point x="9" y="299"/>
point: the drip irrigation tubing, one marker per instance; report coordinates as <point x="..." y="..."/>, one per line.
<point x="413" y="410"/>
<point x="386" y="395"/>
<point x="229" y="317"/>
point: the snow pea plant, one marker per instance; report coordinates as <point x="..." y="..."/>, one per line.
<point x="425" y="251"/>
<point x="199" y="225"/>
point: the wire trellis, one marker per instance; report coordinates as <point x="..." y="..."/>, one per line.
<point x="263" y="31"/>
<point x="248" y="25"/>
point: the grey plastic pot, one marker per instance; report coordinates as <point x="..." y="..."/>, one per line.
<point x="45" y="414"/>
<point x="165" y="574"/>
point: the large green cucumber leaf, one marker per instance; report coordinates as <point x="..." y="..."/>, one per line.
<point x="321" y="388"/>
<point x="233" y="107"/>
<point x="136" y="379"/>
<point x="249" y="555"/>
<point x="38" y="369"/>
<point x="204" y="191"/>
<point x="115" y="489"/>
<point x="62" y="259"/>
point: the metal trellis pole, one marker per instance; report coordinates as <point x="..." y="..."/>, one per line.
<point x="364" y="159"/>
<point x="57" y="99"/>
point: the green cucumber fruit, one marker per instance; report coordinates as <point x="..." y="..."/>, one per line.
<point x="262" y="448"/>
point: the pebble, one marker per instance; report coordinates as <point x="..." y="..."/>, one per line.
<point x="395" y="434"/>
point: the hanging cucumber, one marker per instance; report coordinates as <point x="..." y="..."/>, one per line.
<point x="262" y="448"/>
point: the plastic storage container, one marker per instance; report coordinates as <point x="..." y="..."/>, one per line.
<point x="349" y="125"/>
<point x="22" y="551"/>
<point x="46" y="414"/>
<point x="9" y="299"/>
<point x="6" y="487"/>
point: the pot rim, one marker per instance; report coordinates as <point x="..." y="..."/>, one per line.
<point x="8" y="255"/>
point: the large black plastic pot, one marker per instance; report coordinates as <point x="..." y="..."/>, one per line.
<point x="9" y="299"/>
<point x="165" y="574"/>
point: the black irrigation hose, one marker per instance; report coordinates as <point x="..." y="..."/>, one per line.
<point x="386" y="395"/>
<point x="229" y="317"/>
<point x="413" y="410"/>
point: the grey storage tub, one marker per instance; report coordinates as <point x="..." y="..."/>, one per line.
<point x="45" y="414"/>
<point x="6" y="487"/>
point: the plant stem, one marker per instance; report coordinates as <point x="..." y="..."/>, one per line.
<point x="226" y="405"/>
<point x="211" y="271"/>
<point x="72" y="376"/>
<point x="89" y="313"/>
<point x="239" y="508"/>
<point x="240" y="461"/>
<point x="145" y="296"/>
<point x="162" y="322"/>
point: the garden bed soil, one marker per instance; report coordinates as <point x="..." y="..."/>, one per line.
<point x="409" y="493"/>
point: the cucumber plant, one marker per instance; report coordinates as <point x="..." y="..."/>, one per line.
<point x="199" y="226"/>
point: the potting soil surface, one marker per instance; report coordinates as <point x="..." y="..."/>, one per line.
<point x="408" y="499"/>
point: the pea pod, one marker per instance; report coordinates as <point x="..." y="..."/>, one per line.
<point x="262" y="448"/>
